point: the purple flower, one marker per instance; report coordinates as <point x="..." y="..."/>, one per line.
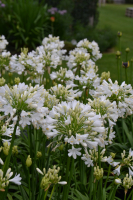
<point x="3" y="5"/>
<point x="62" y="12"/>
<point x="53" y="10"/>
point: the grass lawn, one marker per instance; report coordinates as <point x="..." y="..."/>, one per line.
<point x="113" y="16"/>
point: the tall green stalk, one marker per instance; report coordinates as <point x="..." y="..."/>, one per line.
<point x="52" y="192"/>
<point x="6" y="165"/>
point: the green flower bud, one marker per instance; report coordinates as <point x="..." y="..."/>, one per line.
<point x="9" y="74"/>
<point x="2" y="81"/>
<point x="105" y="76"/>
<point x="15" y="150"/>
<point x="113" y="154"/>
<point x="98" y="173"/>
<point x="127" y="49"/>
<point x="39" y="154"/>
<point x="24" y="50"/>
<point x="61" y="147"/>
<point x="45" y="183"/>
<point x="28" y="161"/>
<point x="118" y="54"/>
<point x="119" y="34"/>
<point x="17" y="80"/>
<point x="6" y="148"/>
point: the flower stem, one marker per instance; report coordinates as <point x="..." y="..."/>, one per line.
<point x="45" y="194"/>
<point x="6" y="165"/>
<point x="107" y="176"/>
<point x="52" y="192"/>
<point x="118" y="70"/>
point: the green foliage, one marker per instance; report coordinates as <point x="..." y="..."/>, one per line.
<point x="78" y="14"/>
<point x="129" y="1"/>
<point x="83" y="10"/>
<point x="25" y="22"/>
<point x="106" y="37"/>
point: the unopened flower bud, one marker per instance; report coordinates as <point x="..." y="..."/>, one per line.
<point x="127" y="50"/>
<point x="125" y="64"/>
<point x="28" y="161"/>
<point x="17" y="80"/>
<point x="61" y="147"/>
<point x="6" y="148"/>
<point x="113" y="154"/>
<point x="117" y="181"/>
<point x="119" y="34"/>
<point x="15" y="150"/>
<point x="2" y="81"/>
<point x="9" y="74"/>
<point x="39" y="154"/>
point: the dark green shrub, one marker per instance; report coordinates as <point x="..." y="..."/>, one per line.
<point x="60" y="22"/>
<point x="25" y="22"/>
<point x="79" y="13"/>
<point x="109" y="1"/>
<point x="106" y="38"/>
<point x="83" y="10"/>
<point x="129" y="1"/>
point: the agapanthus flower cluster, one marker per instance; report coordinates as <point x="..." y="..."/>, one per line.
<point x="35" y="63"/>
<point x="91" y="157"/>
<point x="50" y="43"/>
<point x="7" y="131"/>
<point x="88" y="80"/>
<point x="77" y="58"/>
<point x="92" y="48"/>
<point x="3" y="43"/>
<point x="127" y="182"/>
<point x="63" y="76"/>
<point x="107" y="109"/>
<point x="50" y="178"/>
<point x="5" y="180"/>
<point x="49" y="100"/>
<point x="74" y="123"/>
<point x="123" y="95"/>
<point x="64" y="93"/>
<point x="24" y="103"/>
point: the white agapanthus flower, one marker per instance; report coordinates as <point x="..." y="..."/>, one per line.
<point x="74" y="152"/>
<point x="77" y="58"/>
<point x="62" y="76"/>
<point x="74" y="123"/>
<point x="121" y="94"/>
<point x="92" y="48"/>
<point x="64" y="93"/>
<point x="117" y="170"/>
<point x="3" y="43"/>
<point x="4" y="180"/>
<point x="23" y="102"/>
<point x="108" y="110"/>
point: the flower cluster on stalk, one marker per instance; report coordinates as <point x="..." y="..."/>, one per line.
<point x="75" y="124"/>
